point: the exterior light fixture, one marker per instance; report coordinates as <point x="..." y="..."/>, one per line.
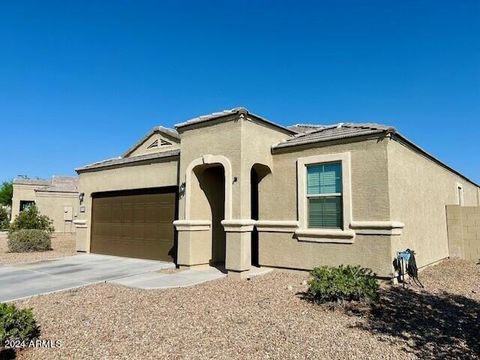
<point x="81" y="196"/>
<point x="181" y="189"/>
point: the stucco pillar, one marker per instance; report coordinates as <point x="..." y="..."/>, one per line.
<point x="238" y="247"/>
<point x="81" y="235"/>
<point x="194" y="242"/>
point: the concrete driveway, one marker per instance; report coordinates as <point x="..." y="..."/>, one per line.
<point x="25" y="280"/>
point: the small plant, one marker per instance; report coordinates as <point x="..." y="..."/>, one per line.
<point x="4" y="218"/>
<point x="342" y="284"/>
<point x="16" y="324"/>
<point x="28" y="240"/>
<point x="30" y="218"/>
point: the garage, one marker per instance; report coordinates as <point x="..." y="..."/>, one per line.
<point x="134" y="223"/>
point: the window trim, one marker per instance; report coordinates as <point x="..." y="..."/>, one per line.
<point x="320" y="196"/>
<point x="302" y="202"/>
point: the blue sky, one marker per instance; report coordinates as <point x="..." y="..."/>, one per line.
<point x="81" y="81"/>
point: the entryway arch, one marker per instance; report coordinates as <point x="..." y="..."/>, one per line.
<point x="209" y="160"/>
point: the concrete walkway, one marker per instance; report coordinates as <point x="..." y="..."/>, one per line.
<point x="161" y="280"/>
<point x="180" y="278"/>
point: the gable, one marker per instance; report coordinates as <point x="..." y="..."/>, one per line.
<point x="155" y="142"/>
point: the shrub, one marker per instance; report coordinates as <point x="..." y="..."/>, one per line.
<point x="30" y="218"/>
<point x="17" y="324"/>
<point x="343" y="283"/>
<point x="27" y="240"/>
<point x="4" y="218"/>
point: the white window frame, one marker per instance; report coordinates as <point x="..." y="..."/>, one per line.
<point x="319" y="196"/>
<point x="302" y="202"/>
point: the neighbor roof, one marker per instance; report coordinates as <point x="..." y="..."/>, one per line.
<point x="56" y="184"/>
<point x="332" y="132"/>
<point x="167" y="131"/>
<point x="224" y="113"/>
<point x="66" y="184"/>
<point x="27" y="181"/>
<point x="130" y="160"/>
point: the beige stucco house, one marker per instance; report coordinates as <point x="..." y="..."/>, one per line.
<point x="57" y="198"/>
<point x="235" y="188"/>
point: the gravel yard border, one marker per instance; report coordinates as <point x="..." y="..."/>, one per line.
<point x="62" y="245"/>
<point x="262" y="318"/>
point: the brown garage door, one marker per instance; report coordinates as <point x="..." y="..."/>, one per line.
<point x="135" y="223"/>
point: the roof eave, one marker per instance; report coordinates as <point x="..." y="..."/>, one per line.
<point x="286" y="145"/>
<point x="239" y="111"/>
<point x="132" y="161"/>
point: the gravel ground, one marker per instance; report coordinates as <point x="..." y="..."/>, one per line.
<point x="264" y="318"/>
<point x="63" y="245"/>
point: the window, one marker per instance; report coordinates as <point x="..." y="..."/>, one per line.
<point x="324" y="198"/>
<point x="25" y="204"/>
<point x="324" y="195"/>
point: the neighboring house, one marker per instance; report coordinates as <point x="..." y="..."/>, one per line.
<point x="234" y="188"/>
<point x="57" y="198"/>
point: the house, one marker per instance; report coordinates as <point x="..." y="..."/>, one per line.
<point x="57" y="198"/>
<point x="235" y="188"/>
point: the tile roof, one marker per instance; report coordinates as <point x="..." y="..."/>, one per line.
<point x="303" y="128"/>
<point x="28" y="181"/>
<point x="128" y="160"/>
<point x="62" y="184"/>
<point x="237" y="110"/>
<point x="333" y="132"/>
<point x="56" y="184"/>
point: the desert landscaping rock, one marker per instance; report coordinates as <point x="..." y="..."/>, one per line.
<point x="62" y="245"/>
<point x="228" y="319"/>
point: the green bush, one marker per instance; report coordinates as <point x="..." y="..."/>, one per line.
<point x="4" y="218"/>
<point x="17" y="324"/>
<point x="341" y="284"/>
<point x="30" y="218"/>
<point x="27" y="240"/>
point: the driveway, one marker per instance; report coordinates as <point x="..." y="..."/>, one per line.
<point x="25" y="280"/>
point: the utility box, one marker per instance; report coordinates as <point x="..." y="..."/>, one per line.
<point x="68" y="213"/>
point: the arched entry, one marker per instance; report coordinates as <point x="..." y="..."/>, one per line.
<point x="209" y="160"/>
<point x="208" y="194"/>
<point x="257" y="173"/>
<point x="211" y="206"/>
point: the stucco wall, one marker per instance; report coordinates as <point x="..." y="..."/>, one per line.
<point x="419" y="190"/>
<point x="285" y="251"/>
<point x="148" y="175"/>
<point x="463" y="224"/>
<point x="221" y="139"/>
<point x="369" y="182"/>
<point x="22" y="192"/>
<point x="242" y="141"/>
<point x="53" y="205"/>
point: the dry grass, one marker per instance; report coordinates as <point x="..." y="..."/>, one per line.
<point x="259" y="319"/>
<point x="62" y="245"/>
